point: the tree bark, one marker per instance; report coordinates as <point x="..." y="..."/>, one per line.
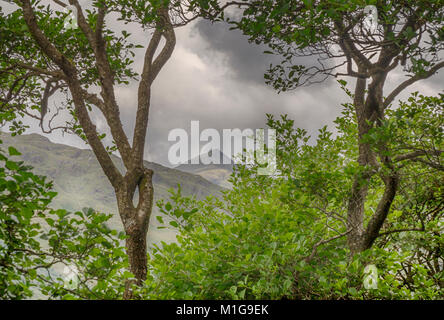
<point x="136" y="222"/>
<point x="355" y="211"/>
<point x="370" y="113"/>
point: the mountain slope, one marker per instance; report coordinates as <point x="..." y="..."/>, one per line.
<point x="216" y="173"/>
<point x="80" y="181"/>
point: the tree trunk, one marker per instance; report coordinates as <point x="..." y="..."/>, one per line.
<point x="355" y="210"/>
<point x="370" y="113"/>
<point x="136" y="221"/>
<point x="136" y="251"/>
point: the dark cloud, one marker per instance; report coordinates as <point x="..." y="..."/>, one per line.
<point x="246" y="60"/>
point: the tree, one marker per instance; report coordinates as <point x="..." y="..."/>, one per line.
<point x="54" y="253"/>
<point x="44" y="53"/>
<point x="409" y="37"/>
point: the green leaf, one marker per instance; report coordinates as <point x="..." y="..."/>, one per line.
<point x="12" y="165"/>
<point x="160" y="219"/>
<point x="352" y="291"/>
<point x="174" y="224"/>
<point x="13" y="152"/>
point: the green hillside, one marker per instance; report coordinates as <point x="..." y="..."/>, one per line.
<point x="80" y="182"/>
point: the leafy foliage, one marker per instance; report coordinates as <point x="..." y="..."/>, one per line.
<point x="50" y="252"/>
<point x="284" y="237"/>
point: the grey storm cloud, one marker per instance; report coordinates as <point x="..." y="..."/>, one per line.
<point x="246" y="60"/>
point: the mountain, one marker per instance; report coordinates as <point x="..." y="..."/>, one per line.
<point x="216" y="173"/>
<point x="80" y="182"/>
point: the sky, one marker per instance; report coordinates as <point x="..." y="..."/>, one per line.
<point x="215" y="76"/>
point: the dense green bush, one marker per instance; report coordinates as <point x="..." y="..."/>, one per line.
<point x="52" y="253"/>
<point x="284" y="236"/>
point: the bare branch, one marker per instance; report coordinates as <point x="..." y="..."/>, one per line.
<point x="48" y="92"/>
<point x="150" y="71"/>
<point x="401" y="230"/>
<point x="315" y="247"/>
<point x="110" y="108"/>
<point x="411" y="81"/>
<point x="416" y="154"/>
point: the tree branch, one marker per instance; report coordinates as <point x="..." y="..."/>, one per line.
<point x="416" y="154"/>
<point x="70" y="72"/>
<point x="401" y="230"/>
<point x="150" y="71"/>
<point x="382" y="210"/>
<point x="315" y="247"/>
<point x="106" y="75"/>
<point x="411" y="81"/>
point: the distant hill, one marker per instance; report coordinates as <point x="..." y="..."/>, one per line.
<point x="216" y="173"/>
<point x="80" y="181"/>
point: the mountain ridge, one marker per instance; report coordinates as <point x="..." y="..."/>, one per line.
<point x="80" y="182"/>
<point x="215" y="173"/>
